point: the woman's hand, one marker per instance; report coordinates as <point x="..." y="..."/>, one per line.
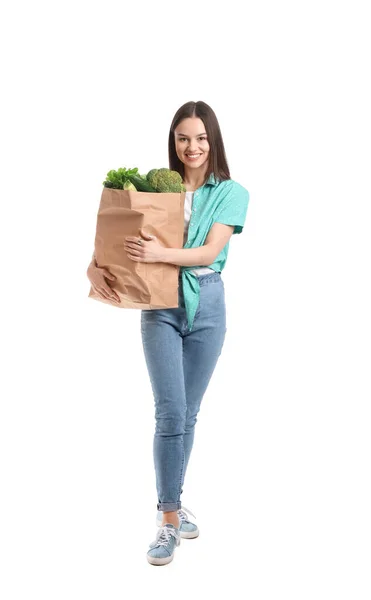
<point x="96" y="276"/>
<point x="149" y="251"/>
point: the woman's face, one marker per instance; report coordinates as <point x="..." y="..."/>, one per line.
<point x="191" y="139"/>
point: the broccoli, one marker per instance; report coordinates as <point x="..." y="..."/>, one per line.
<point x="150" y="175"/>
<point x="165" y="180"/>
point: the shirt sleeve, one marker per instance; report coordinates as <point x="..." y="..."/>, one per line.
<point x="233" y="208"/>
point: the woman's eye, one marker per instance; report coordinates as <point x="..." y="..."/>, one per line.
<point x="182" y="138"/>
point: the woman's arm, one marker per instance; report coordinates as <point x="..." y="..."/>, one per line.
<point x="218" y="236"/>
<point x="188" y="257"/>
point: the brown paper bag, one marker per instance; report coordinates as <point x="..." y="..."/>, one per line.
<point x="122" y="213"/>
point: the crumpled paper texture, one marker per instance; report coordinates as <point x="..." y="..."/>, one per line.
<point x="122" y="213"/>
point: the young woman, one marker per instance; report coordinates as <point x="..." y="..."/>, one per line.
<point x="182" y="345"/>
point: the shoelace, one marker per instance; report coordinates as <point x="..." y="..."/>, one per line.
<point x="182" y="513"/>
<point x="163" y="536"/>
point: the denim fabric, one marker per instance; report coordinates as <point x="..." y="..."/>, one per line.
<point x="180" y="364"/>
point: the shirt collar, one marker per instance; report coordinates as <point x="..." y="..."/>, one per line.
<point x="211" y="180"/>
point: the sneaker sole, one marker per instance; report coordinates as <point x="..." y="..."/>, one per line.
<point x="153" y="560"/>
<point x="184" y="534"/>
<point x="164" y="560"/>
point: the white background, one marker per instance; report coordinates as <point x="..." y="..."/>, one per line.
<point x="279" y="476"/>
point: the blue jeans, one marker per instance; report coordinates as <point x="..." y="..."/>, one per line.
<point x="180" y="365"/>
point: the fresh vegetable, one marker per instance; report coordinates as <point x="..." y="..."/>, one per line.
<point x="151" y="174"/>
<point x="119" y="177"/>
<point x="129" y="186"/>
<point x="165" y="180"/>
<point x="141" y="184"/>
<point x="156" y="180"/>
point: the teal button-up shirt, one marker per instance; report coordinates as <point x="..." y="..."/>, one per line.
<point x="214" y="202"/>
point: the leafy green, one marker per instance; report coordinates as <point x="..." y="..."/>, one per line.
<point x="119" y="178"/>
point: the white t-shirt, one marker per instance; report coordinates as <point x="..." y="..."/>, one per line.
<point x="187" y="217"/>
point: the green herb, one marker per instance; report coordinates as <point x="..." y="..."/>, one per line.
<point x="119" y="178"/>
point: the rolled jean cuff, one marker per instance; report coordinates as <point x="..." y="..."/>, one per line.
<point x="168" y="506"/>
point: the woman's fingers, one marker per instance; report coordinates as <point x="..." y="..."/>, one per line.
<point x="101" y="287"/>
<point x="101" y="292"/>
<point x="111" y="295"/>
<point x="132" y="249"/>
<point x="109" y="275"/>
<point x="107" y="294"/>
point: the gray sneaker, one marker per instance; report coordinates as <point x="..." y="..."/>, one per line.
<point x="162" y="549"/>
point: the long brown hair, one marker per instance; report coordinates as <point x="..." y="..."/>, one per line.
<point x="217" y="159"/>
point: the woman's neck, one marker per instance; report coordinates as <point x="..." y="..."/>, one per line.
<point x="194" y="178"/>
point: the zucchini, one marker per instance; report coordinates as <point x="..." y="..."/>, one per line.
<point x="141" y="184"/>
